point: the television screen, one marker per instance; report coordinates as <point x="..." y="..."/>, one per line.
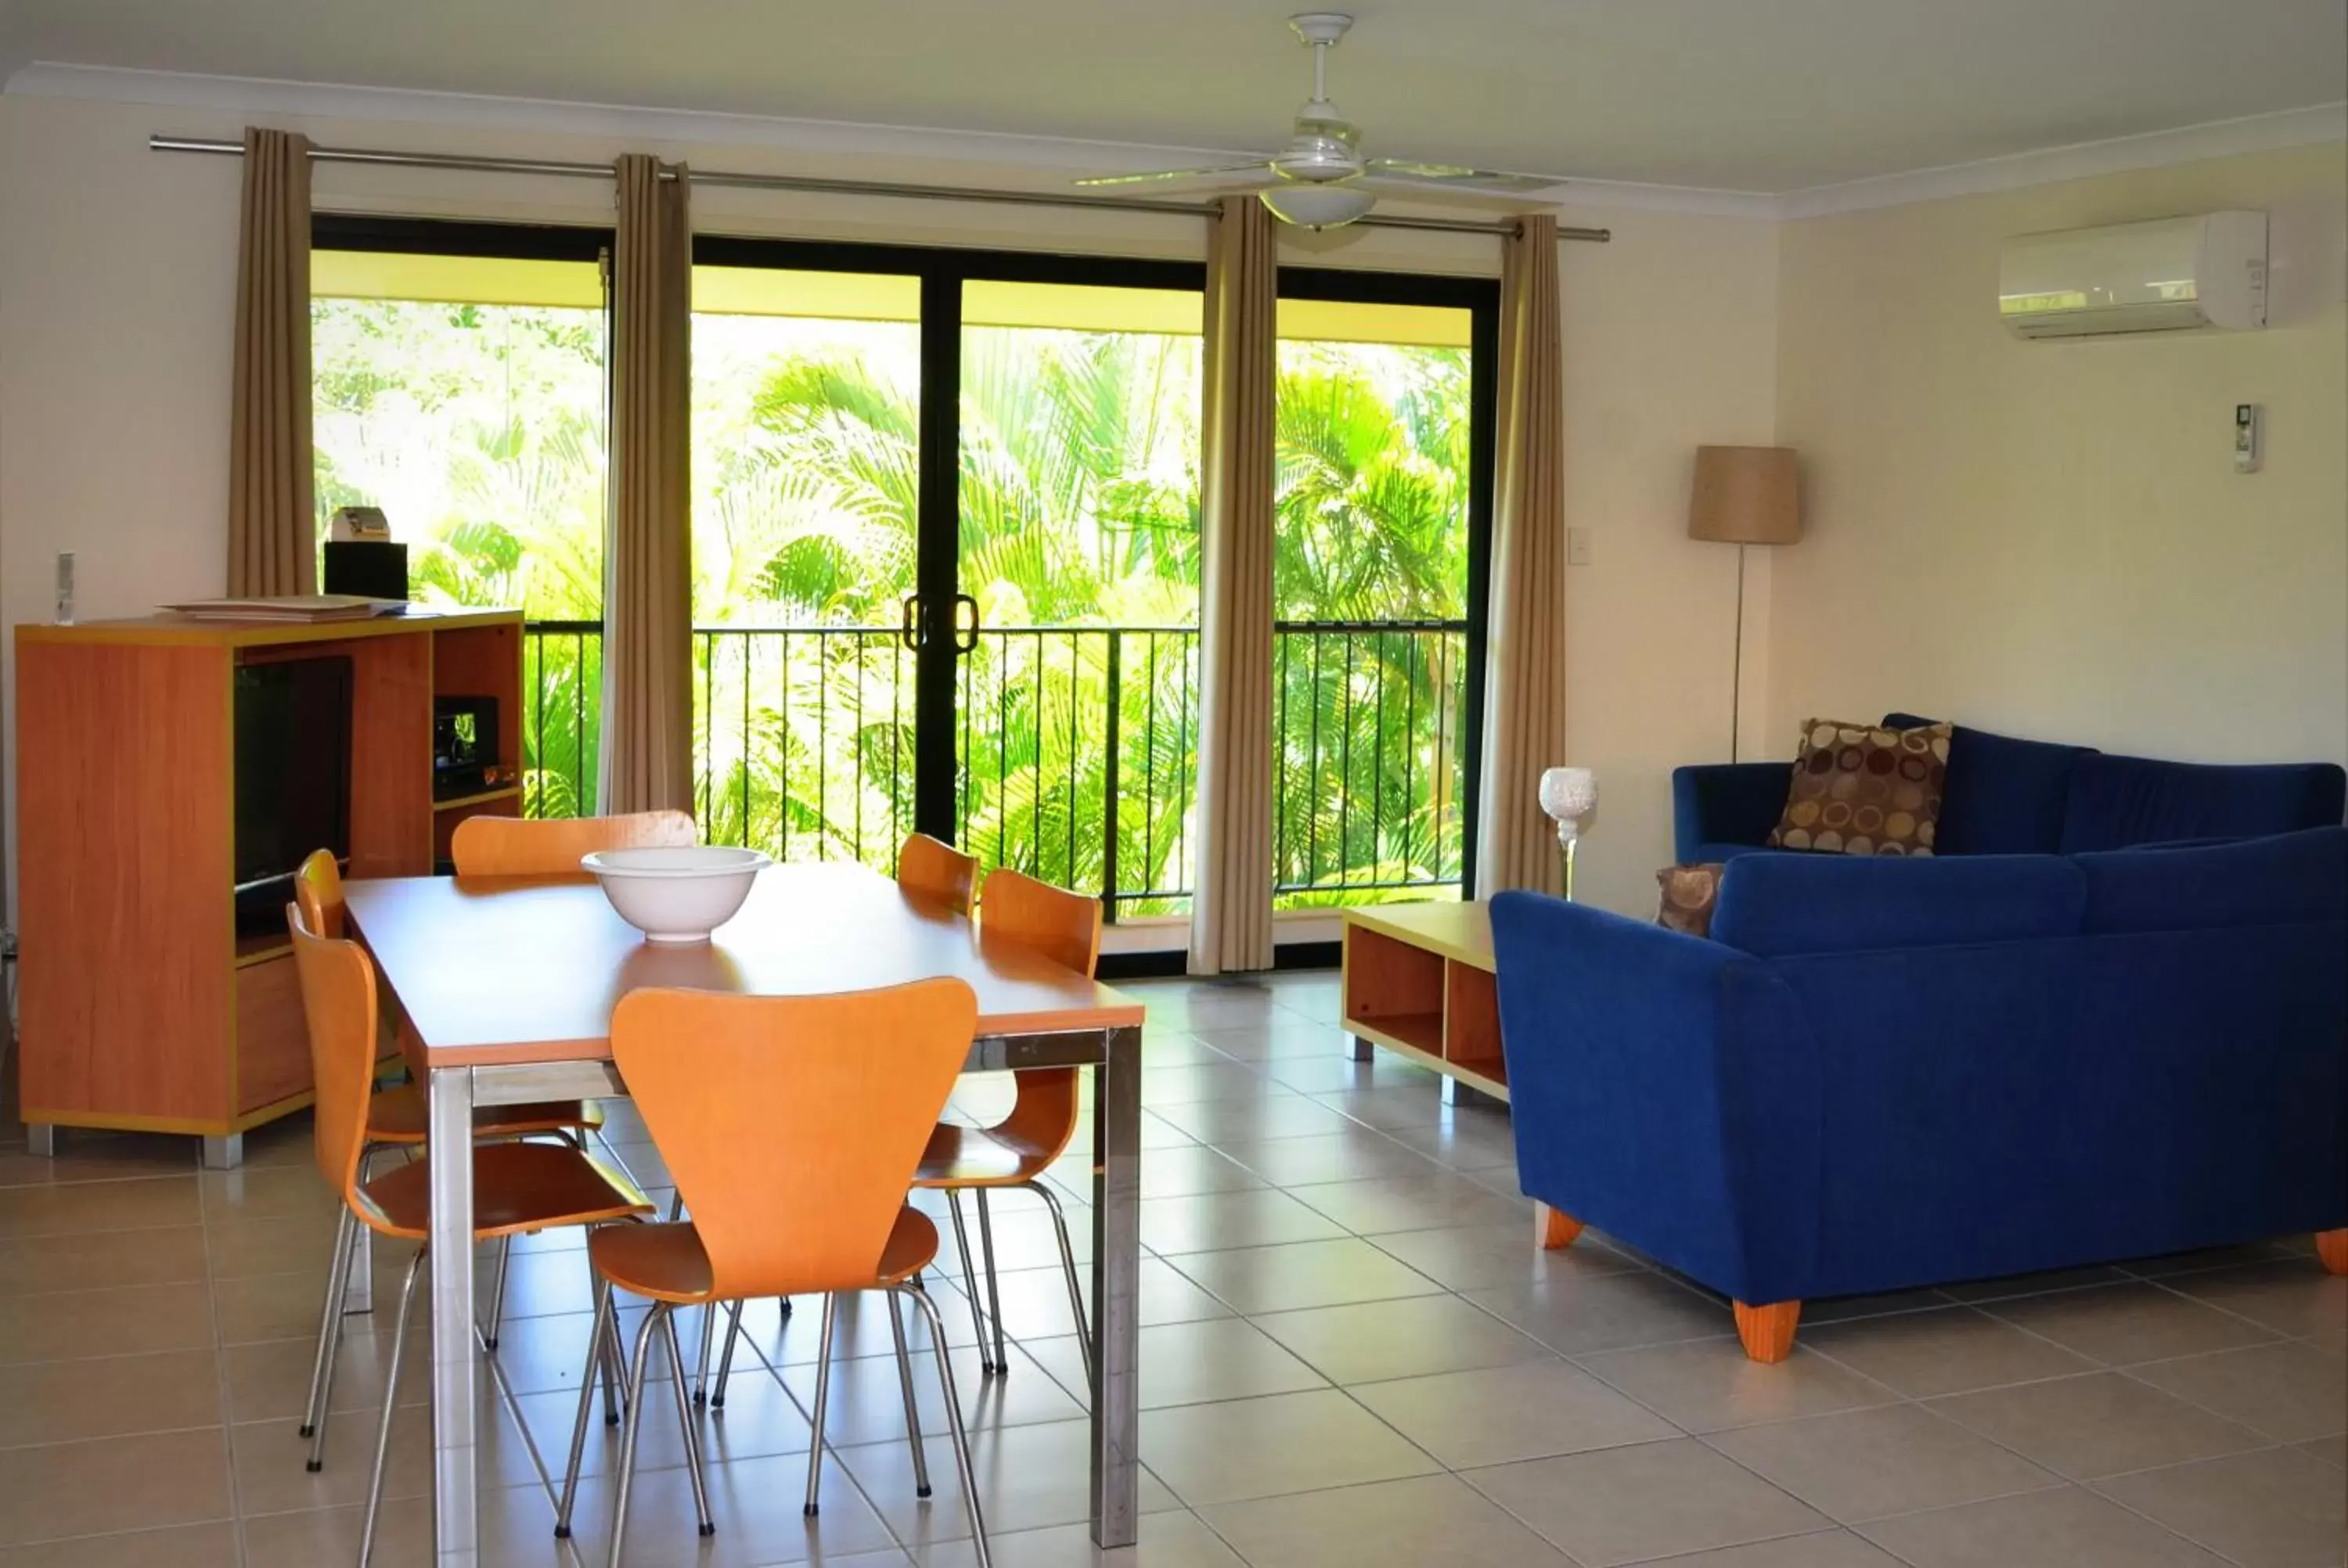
<point x="293" y="778"/>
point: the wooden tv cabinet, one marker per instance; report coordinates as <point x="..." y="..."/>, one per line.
<point x="139" y="1007"/>
<point x="1419" y="981"/>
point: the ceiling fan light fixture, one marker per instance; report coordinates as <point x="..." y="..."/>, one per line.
<point x="1317" y="206"/>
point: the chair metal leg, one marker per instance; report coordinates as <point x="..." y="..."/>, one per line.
<point x="994" y="1297"/>
<point x="725" y="1359"/>
<point x="599" y="1370"/>
<point x="912" y="1409"/>
<point x="685" y="1425"/>
<point x="358" y="1279"/>
<point x="823" y="1392"/>
<point x="390" y="1403"/>
<point x="1068" y="1269"/>
<point x="330" y="1325"/>
<point x="968" y="1277"/>
<point x="628" y="1434"/>
<point x="616" y="1357"/>
<point x="708" y="1350"/>
<point x="498" y="1291"/>
<point x="953" y="1417"/>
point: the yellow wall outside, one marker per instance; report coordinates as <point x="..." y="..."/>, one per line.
<point x="862" y="296"/>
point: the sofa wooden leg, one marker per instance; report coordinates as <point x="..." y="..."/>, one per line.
<point x="1768" y="1331"/>
<point x="1555" y="1227"/>
<point x="2331" y="1246"/>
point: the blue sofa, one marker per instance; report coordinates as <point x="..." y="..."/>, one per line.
<point x="1881" y="1074"/>
<point x="2009" y="796"/>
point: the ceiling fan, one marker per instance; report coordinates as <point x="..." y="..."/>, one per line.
<point x="1320" y="180"/>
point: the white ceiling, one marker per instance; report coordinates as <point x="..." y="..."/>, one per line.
<point x="1744" y="95"/>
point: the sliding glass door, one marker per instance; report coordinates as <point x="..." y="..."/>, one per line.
<point x="945" y="542"/>
<point x="806" y="469"/>
<point x="458" y="376"/>
<point x="1383" y="501"/>
<point x="1076" y="567"/>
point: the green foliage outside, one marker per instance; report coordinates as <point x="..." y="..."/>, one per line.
<point x="479" y="430"/>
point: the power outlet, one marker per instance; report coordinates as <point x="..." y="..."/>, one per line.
<point x="1577" y="547"/>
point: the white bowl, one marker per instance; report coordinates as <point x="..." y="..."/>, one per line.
<point x="679" y="894"/>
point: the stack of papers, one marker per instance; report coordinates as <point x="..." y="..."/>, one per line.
<point x="293" y="607"/>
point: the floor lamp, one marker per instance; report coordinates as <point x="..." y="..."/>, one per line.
<point x="1744" y="495"/>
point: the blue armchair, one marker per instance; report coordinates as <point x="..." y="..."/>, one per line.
<point x="1885" y="1073"/>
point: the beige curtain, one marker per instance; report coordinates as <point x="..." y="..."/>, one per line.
<point x="272" y="526"/>
<point x="647" y="744"/>
<point x="1230" y="906"/>
<point x="1524" y="704"/>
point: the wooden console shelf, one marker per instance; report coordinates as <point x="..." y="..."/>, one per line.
<point x="141" y="1007"/>
<point x="1419" y="981"/>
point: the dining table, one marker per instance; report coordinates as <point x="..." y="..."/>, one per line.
<point x="507" y="984"/>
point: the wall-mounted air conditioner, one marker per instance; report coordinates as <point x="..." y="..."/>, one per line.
<point x="2173" y="272"/>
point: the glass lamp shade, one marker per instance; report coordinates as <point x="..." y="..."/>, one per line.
<point x="1569" y="795"/>
<point x="1312" y="206"/>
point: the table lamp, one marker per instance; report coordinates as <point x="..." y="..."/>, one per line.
<point x="1569" y="795"/>
<point x="1744" y="496"/>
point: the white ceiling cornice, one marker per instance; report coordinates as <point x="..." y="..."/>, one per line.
<point x="2256" y="133"/>
<point x="1056" y="156"/>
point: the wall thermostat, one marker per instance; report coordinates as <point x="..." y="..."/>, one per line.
<point x="2249" y="442"/>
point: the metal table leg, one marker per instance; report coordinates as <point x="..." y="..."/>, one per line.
<point x="224" y="1153"/>
<point x="456" y="1519"/>
<point x="1116" y="1284"/>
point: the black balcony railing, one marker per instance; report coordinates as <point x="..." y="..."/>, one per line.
<point x="1077" y="750"/>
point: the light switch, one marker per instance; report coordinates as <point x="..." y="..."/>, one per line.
<point x="1577" y="547"/>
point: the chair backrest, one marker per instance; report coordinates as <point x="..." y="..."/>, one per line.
<point x="339" y="1002"/>
<point x="318" y="889"/>
<point x="550" y="847"/>
<point x="937" y="871"/>
<point x="1064" y="926"/>
<point x="793" y="1125"/>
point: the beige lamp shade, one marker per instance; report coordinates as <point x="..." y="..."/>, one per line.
<point x="1745" y="496"/>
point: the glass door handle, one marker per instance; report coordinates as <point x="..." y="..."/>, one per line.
<point x="909" y="632"/>
<point x="966" y="636"/>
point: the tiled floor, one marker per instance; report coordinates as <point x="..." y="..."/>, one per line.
<point x="1354" y="1356"/>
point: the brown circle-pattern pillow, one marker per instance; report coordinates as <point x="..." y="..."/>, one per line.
<point x="1689" y="893"/>
<point x="1862" y="789"/>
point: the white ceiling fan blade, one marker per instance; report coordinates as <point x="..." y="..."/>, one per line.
<point x="1260" y="167"/>
<point x="1405" y="168"/>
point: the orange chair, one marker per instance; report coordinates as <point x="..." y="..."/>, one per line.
<point x="550" y="847"/>
<point x="937" y="871"/>
<point x="929" y="868"/>
<point x="792" y="1125"/>
<point x="517" y="1187"/>
<point x="395" y="1116"/>
<point x="1065" y="927"/>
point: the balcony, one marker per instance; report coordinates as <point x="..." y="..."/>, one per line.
<point x="1075" y="751"/>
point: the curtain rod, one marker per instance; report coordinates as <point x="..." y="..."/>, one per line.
<point x="831" y="186"/>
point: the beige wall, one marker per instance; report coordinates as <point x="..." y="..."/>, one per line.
<point x="116" y="274"/>
<point x="2048" y="539"/>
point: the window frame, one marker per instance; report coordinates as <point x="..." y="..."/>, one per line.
<point x="942" y="270"/>
<point x="1480" y="297"/>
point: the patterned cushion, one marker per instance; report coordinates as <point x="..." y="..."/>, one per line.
<point x="1862" y="789"/>
<point x="1689" y="894"/>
